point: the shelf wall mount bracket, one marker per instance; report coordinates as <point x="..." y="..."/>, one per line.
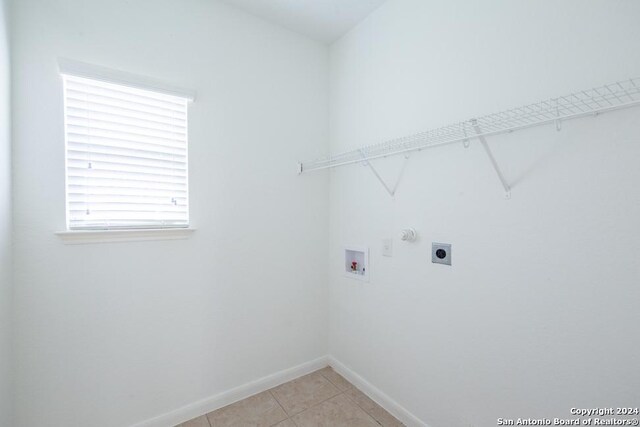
<point x="492" y="159"/>
<point x="465" y="142"/>
<point x="389" y="189"/>
<point x="558" y="120"/>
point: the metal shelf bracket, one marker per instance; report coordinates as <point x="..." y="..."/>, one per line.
<point x="494" y="163"/>
<point x="465" y="141"/>
<point x="558" y="119"/>
<point x="390" y="190"/>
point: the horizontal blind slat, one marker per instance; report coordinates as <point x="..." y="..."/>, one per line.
<point x="112" y="99"/>
<point x="87" y="156"/>
<point x="132" y="183"/>
<point x="84" y="142"/>
<point x="101" y="165"/>
<point x="123" y="93"/>
<point x="136" y="128"/>
<point x="123" y="215"/>
<point x="86" y="113"/>
<point x="124" y="107"/>
<point x="84" y="190"/>
<point x="85" y="105"/>
<point x="121" y="198"/>
<point x="124" y="136"/>
<point x="97" y="209"/>
<point x="149" y="93"/>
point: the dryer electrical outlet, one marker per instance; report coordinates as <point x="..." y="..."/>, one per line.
<point x="441" y="253"/>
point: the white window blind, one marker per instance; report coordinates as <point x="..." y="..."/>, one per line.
<point x="126" y="156"/>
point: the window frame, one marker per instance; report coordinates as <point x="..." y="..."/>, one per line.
<point x="75" y="235"/>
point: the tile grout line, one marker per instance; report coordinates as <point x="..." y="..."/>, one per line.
<point x="317" y="404"/>
<point x="281" y="407"/>
<point x="362" y="408"/>
<point x="329" y="398"/>
<point x="290" y="417"/>
<point x="349" y="398"/>
<point x="312" y="406"/>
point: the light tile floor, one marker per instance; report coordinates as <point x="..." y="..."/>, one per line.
<point x="320" y="399"/>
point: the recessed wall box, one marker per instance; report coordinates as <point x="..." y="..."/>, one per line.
<point x="356" y="263"/>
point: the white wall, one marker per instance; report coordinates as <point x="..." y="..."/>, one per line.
<point x="539" y="311"/>
<point x="6" y="268"/>
<point x="113" y="334"/>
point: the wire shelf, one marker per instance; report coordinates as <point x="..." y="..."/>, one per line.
<point x="614" y="96"/>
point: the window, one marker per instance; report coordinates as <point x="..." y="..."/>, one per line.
<point x="126" y="156"/>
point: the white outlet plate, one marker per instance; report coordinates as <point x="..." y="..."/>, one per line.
<point x="387" y="247"/>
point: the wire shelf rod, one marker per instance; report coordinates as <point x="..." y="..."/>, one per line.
<point x="610" y="97"/>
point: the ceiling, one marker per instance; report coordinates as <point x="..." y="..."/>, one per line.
<point x="322" y="20"/>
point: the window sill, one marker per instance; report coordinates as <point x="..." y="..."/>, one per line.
<point x="82" y="237"/>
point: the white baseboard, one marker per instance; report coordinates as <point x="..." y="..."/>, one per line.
<point x="220" y="400"/>
<point x="228" y="397"/>
<point x="376" y="395"/>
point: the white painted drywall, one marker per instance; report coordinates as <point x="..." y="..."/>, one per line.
<point x="114" y="334"/>
<point x="539" y="312"/>
<point x="325" y="20"/>
<point x="6" y="269"/>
